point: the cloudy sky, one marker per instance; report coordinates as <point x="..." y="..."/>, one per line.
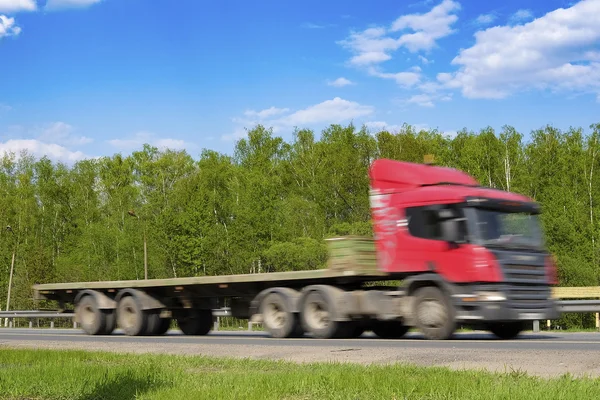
<point x="84" y="78"/>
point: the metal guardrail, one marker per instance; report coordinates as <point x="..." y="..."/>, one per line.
<point x="560" y="293"/>
<point x="9" y="316"/>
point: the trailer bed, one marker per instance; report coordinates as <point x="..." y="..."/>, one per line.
<point x="351" y="260"/>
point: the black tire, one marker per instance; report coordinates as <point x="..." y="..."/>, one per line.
<point x="507" y="330"/>
<point x="277" y="318"/>
<point x="443" y="325"/>
<point x="130" y="317"/>
<point x="91" y="318"/>
<point x="165" y="325"/>
<point x="111" y="321"/>
<point x="316" y="317"/>
<point x="156" y="324"/>
<point x="389" y="329"/>
<point x="357" y="329"/>
<point x="196" y="322"/>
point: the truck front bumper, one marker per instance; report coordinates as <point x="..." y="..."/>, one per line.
<point x="496" y="306"/>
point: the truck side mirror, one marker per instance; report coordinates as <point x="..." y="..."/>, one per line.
<point x="449" y="221"/>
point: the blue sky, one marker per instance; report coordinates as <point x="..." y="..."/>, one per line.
<point x="86" y="78"/>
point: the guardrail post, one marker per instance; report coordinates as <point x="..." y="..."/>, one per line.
<point x="216" y="325"/>
<point x="52" y="324"/>
<point x="30" y="323"/>
<point x="74" y="324"/>
<point x="536" y="326"/>
<point x="597" y="321"/>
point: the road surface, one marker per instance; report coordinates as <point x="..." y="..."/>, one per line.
<point x="543" y="354"/>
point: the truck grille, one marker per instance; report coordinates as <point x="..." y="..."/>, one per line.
<point x="528" y="297"/>
<point x="525" y="274"/>
<point x="526" y="286"/>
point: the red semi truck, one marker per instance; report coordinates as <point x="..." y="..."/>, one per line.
<point x="445" y="252"/>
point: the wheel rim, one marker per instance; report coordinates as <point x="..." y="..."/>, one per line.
<point x="274" y="316"/>
<point x="127" y="316"/>
<point x="432" y="313"/>
<point x="88" y="316"/>
<point x="317" y="316"/>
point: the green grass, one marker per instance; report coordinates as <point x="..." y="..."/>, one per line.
<point x="53" y="374"/>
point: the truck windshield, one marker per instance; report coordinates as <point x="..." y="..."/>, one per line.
<point x="509" y="229"/>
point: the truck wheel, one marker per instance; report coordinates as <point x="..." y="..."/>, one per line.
<point x="91" y="318"/>
<point x="507" y="330"/>
<point x="130" y="317"/>
<point x="277" y="318"/>
<point x="389" y="329"/>
<point x="434" y="314"/>
<point x="316" y="317"/>
<point x="158" y="325"/>
<point x="357" y="329"/>
<point x="111" y="321"/>
<point x="197" y="322"/>
<point x="165" y="324"/>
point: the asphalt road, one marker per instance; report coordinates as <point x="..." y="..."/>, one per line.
<point x="545" y="354"/>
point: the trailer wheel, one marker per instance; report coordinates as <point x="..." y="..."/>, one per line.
<point x="111" y="321"/>
<point x="91" y="318"/>
<point x="389" y="329"/>
<point x="130" y="316"/>
<point x="507" y="330"/>
<point x="196" y="322"/>
<point x="277" y="318"/>
<point x="316" y="318"/>
<point x="156" y="324"/>
<point x="434" y="313"/>
<point x="357" y="329"/>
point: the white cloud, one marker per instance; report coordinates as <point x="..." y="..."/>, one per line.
<point x="266" y="113"/>
<point x="423" y="100"/>
<point x="557" y="51"/>
<point x="521" y="15"/>
<point x="62" y="4"/>
<point x="140" y="138"/>
<point x="61" y="133"/>
<point x="404" y="79"/>
<point x="340" y="82"/>
<point x="311" y="25"/>
<point x="424" y="60"/>
<point x="485" y="19"/>
<point x="450" y="134"/>
<point x="378" y="126"/>
<point x="8" y="27"/>
<point x="427" y="99"/>
<point x="13" y="6"/>
<point x="334" y="111"/>
<point x="374" y="45"/>
<point x="40" y="149"/>
<point x="427" y="27"/>
<point x="370" y="46"/>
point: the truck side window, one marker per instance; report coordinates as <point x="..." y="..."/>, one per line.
<point x="423" y="224"/>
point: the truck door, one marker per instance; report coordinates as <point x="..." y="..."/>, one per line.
<point x="437" y="243"/>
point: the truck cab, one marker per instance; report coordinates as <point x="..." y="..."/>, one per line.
<point x="484" y="247"/>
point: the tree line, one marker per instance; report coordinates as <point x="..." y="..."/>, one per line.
<point x="269" y="205"/>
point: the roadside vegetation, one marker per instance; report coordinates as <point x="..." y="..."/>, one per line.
<point x="50" y="374"/>
<point x="270" y="205"/>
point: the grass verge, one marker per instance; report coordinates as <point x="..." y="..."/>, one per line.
<point x="54" y="374"/>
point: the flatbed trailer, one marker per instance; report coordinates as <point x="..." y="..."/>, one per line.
<point x="445" y="252"/>
<point x="150" y="305"/>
